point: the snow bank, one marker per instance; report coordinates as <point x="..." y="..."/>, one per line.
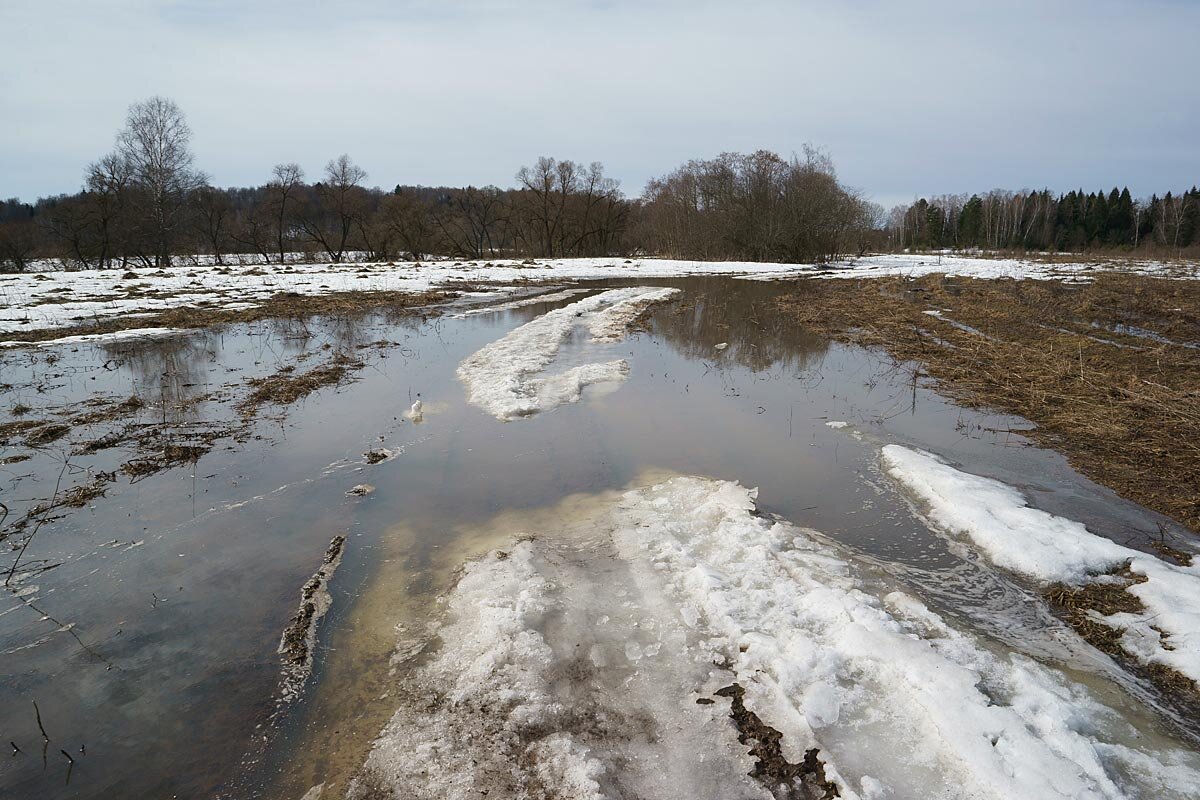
<point x="577" y="664"/>
<point x="1048" y="548"/>
<point x="501" y="377"/>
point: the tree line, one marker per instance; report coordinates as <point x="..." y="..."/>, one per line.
<point x="146" y="204"/>
<point x="1041" y="221"/>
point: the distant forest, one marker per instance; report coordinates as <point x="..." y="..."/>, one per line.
<point x="1040" y="221"/>
<point x="146" y="204"/>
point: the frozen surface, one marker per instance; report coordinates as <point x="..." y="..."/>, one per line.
<point x="1048" y="548"/>
<point x="60" y="299"/>
<point x="576" y="663"/>
<point x="503" y="377"/>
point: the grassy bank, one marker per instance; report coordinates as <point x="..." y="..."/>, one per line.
<point x="1109" y="370"/>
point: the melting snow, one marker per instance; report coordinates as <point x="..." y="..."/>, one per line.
<point x="1048" y="548"/>
<point x="576" y="663"/>
<point x="58" y="299"/>
<point x="501" y="378"/>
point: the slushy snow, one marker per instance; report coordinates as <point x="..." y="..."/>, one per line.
<point x="574" y="664"/>
<point x="1048" y="548"/>
<point x="503" y="378"/>
<point x="60" y="299"/>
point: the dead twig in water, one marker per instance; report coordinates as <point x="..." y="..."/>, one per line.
<point x="29" y="538"/>
<point x="38" y="712"/>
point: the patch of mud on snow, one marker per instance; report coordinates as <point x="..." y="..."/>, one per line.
<point x="1049" y="549"/>
<point x="501" y="378"/>
<point x="601" y="666"/>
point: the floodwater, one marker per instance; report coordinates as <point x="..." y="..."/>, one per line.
<point x="150" y="649"/>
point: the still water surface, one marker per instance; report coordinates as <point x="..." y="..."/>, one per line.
<point x="151" y="649"/>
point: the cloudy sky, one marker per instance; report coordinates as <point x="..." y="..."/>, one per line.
<point x="915" y="97"/>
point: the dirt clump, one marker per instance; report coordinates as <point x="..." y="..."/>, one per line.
<point x="9" y="430"/>
<point x="48" y="434"/>
<point x="783" y="779"/>
<point x="294" y="646"/>
<point x="1080" y="607"/>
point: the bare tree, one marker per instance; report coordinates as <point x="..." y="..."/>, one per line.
<point x="17" y="243"/>
<point x="213" y="220"/>
<point x="336" y="207"/>
<point x="156" y="145"/>
<point x="410" y="221"/>
<point x="285" y="179"/>
<point x="471" y="221"/>
<point x="107" y="192"/>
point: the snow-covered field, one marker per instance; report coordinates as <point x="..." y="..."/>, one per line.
<point x="36" y="301"/>
<point x="592" y="663"/>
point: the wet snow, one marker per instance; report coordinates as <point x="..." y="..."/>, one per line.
<point x="504" y="378"/>
<point x="997" y="519"/>
<point x="64" y="298"/>
<point x="576" y="662"/>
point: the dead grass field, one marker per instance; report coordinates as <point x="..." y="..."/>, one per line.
<point x="1109" y="371"/>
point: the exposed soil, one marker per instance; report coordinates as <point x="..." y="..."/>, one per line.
<point x="785" y="780"/>
<point x="294" y="646"/>
<point x="1109" y="370"/>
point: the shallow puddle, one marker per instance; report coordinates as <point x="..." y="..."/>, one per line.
<point x="151" y="648"/>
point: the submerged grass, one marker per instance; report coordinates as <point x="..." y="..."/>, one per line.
<point x="1108" y="370"/>
<point x="286" y="387"/>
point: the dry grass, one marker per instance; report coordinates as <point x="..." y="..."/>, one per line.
<point x="1123" y="407"/>
<point x="1078" y="606"/>
<point x="286" y="387"/>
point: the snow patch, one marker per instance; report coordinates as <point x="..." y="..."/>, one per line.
<point x="105" y="338"/>
<point x="501" y="378"/>
<point x="1048" y="548"/>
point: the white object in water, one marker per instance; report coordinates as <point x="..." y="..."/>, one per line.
<point x="417" y="406"/>
<point x="721" y="346"/>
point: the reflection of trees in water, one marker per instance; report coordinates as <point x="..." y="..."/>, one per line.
<point x="171" y="371"/>
<point x="744" y="315"/>
<point x="346" y="334"/>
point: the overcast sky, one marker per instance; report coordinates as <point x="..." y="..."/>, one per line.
<point x="910" y="98"/>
